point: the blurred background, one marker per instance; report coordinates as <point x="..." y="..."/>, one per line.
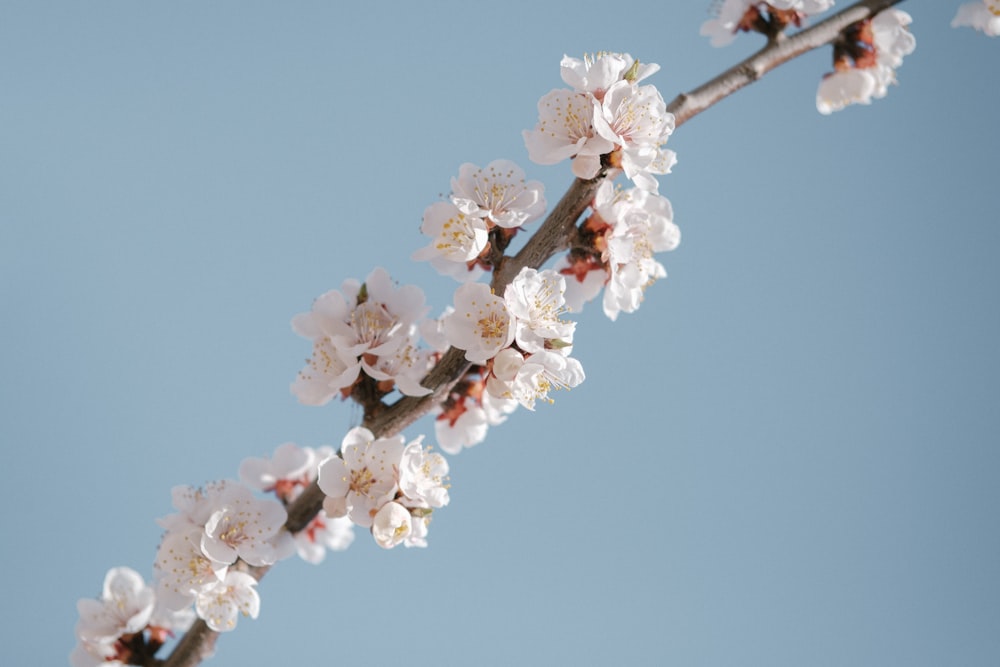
<point x="788" y="456"/>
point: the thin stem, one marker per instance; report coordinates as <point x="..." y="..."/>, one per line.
<point x="552" y="236"/>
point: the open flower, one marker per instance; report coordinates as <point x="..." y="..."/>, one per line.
<point x="497" y="192"/>
<point x="566" y="130"/>
<point x="480" y="324"/>
<point x="125" y="607"/>
<point x="535" y="299"/>
<point x="363" y="478"/>
<point x="221" y="604"/>
<point x="246" y="527"/>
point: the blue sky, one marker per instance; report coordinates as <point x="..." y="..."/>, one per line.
<point x="787" y="457"/>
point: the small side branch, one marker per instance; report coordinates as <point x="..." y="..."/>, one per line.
<point x="687" y="105"/>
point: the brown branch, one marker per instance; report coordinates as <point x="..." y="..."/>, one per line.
<point x="552" y="236"/>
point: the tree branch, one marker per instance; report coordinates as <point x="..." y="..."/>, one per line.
<point x="551" y="237"/>
<point x="780" y="50"/>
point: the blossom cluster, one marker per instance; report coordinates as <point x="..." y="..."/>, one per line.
<point x="865" y="61"/>
<point x="215" y="531"/>
<point x="287" y="474"/>
<point x="616" y="250"/>
<point x="385" y="484"/>
<point x="519" y="338"/>
<point x="126" y="624"/>
<point x="607" y="120"/>
<point x="200" y="566"/>
<point x="368" y="327"/>
<point x="486" y="208"/>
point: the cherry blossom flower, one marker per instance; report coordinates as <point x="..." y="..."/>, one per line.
<point x="364" y="479"/>
<point x="596" y="73"/>
<point x="642" y="226"/>
<point x="125" y="607"/>
<point x="95" y="654"/>
<point x="466" y="423"/>
<point x="221" y="604"/>
<point x="456" y="235"/>
<point x="322" y="533"/>
<point x="182" y="569"/>
<point x="246" y="527"/>
<point x="404" y="368"/>
<point x="194" y="505"/>
<point x="480" y="324"/>
<point x="535" y="299"/>
<point x="585" y="278"/>
<point x="769" y="17"/>
<point x="326" y="374"/>
<point x="392" y="525"/>
<point x="423" y="476"/>
<point x="842" y="87"/>
<point x="289" y="468"/>
<point x="499" y="193"/>
<point x="355" y="323"/>
<point x="865" y="61"/>
<point x="636" y="120"/>
<point x="808" y="7"/>
<point x="566" y="130"/>
<point x="527" y="379"/>
<point x="983" y="16"/>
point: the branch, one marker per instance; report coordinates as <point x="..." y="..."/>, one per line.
<point x="778" y="51"/>
<point x="551" y="237"/>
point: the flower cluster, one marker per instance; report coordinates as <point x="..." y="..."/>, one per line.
<point x="215" y="527"/>
<point x="618" y="242"/>
<point x="606" y="121"/>
<point x="287" y="474"/>
<point x="126" y="624"/>
<point x="983" y="16"/>
<point x="386" y="485"/>
<point x="465" y="416"/>
<point x="865" y="59"/>
<point x="370" y="327"/>
<point x="519" y="338"/>
<point x="486" y="208"/>
<point x="769" y="18"/>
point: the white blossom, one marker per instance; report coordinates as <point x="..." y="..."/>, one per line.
<point x="983" y="16"/>
<point x="499" y="193"/>
<point x="221" y="604"/>
<point x="534" y="376"/>
<point x="423" y="477"/>
<point x="456" y="235"/>
<point x="636" y="119"/>
<point x="404" y="368"/>
<point x="566" y="130"/>
<point x="480" y="324"/>
<point x="364" y="479"/>
<point x="359" y="321"/>
<point x="467" y="426"/>
<point x="182" y="569"/>
<point x="289" y="467"/>
<point x="596" y="73"/>
<point x="722" y="28"/>
<point x="535" y="299"/>
<point x="125" y="606"/>
<point x="392" y="525"/>
<point x="843" y="87"/>
<point x="246" y="527"/>
<point x="890" y="40"/>
<point x="322" y="533"/>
